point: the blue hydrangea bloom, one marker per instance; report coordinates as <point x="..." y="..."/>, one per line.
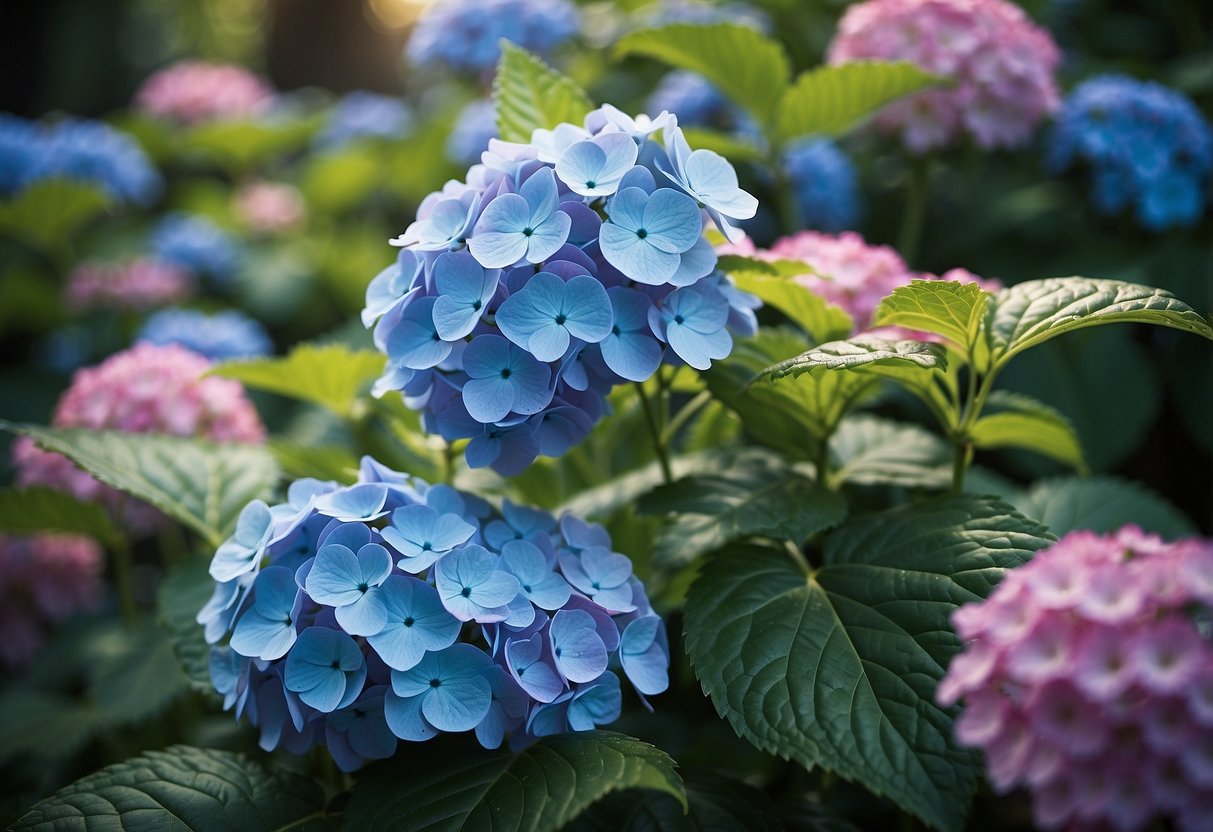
<point x="559" y="269"/>
<point x="77" y="149"/>
<point x="1147" y="147"/>
<point x="197" y="245"/>
<point x="465" y="35"/>
<point x="699" y="104"/>
<point x="357" y="616"/>
<point x="219" y="337"/>
<point x="825" y="184"/>
<point x="700" y="12"/>
<point x="471" y="132"/>
<point x="362" y="114"/>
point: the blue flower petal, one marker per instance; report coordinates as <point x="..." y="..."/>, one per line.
<point x="578" y="651"/>
<point x="416" y="622"/>
<point x="357" y="503"/>
<point x="596" y="704"/>
<point x="414" y="341"/>
<point x="527" y="660"/>
<point x="404" y="718"/>
<point x="645" y="655"/>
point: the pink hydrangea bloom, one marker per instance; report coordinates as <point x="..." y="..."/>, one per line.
<point x="1103" y="711"/>
<point x="195" y="91"/>
<point x="44" y="578"/>
<point x="135" y="285"/>
<point x="145" y="389"/>
<point x="850" y="273"/>
<point x="270" y="207"/>
<point x="1002" y="66"/>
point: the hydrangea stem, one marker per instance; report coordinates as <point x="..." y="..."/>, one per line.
<point x="910" y="233"/>
<point x="655" y="430"/>
<point x="120" y="551"/>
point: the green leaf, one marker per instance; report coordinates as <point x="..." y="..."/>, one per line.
<point x="42" y="726"/>
<point x="330" y="375"/>
<point x="867" y="450"/>
<point x="1103" y="505"/>
<point x="335" y="183"/>
<point x="747" y="67"/>
<point x="444" y="787"/>
<point x="718" y="804"/>
<point x="531" y="95"/>
<point x="831" y="100"/>
<point x="758" y="496"/>
<point x="239" y="145"/>
<point x="624" y="489"/>
<point x="814" y="314"/>
<point x="782" y="267"/>
<point x="793" y="415"/>
<point x="860" y="354"/>
<point x="27" y="510"/>
<point x="50" y="211"/>
<point x="1031" y="313"/>
<point x="837" y="668"/>
<point x="945" y="307"/>
<point x="182" y="594"/>
<point x="734" y="148"/>
<point x="183" y="788"/>
<point x="202" y="484"/>
<point x="134" y="675"/>
<point x="1020" y="421"/>
<point x="324" y="462"/>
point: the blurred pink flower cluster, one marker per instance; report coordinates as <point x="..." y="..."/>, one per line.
<point x="145" y="389"/>
<point x="1001" y="63"/>
<point x="270" y="207"/>
<point x="194" y="91"/>
<point x="852" y="274"/>
<point x="44" y="578"/>
<point x="1088" y="679"/>
<point x="136" y="285"/>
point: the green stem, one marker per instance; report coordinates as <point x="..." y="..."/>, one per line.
<point x="448" y="463"/>
<point x="659" y="446"/>
<point x="785" y="199"/>
<point x="684" y="415"/>
<point x="123" y="569"/>
<point x="823" y="461"/>
<point x="916" y="201"/>
<point x="960" y="462"/>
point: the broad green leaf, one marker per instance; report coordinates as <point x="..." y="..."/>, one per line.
<point x="1031" y="313"/>
<point x="734" y="148"/>
<point x="756" y="497"/>
<point x="795" y="414"/>
<point x="830" y="100"/>
<point x="781" y="267"/>
<point x="531" y="95"/>
<point x="1101" y="504"/>
<point x="601" y="500"/>
<point x="134" y="675"/>
<point x="183" y="788"/>
<point x="239" y="145"/>
<point x="746" y="66"/>
<point x="1014" y="420"/>
<point x="41" y="726"/>
<point x="718" y="804"/>
<point x="867" y="450"/>
<point x="331" y="375"/>
<point x="443" y="787"/>
<point x="334" y="183"/>
<point x="27" y="510"/>
<point x="202" y="484"/>
<point x="50" y="211"/>
<point x="182" y="594"/>
<point x="324" y="462"/>
<point x="859" y="354"/>
<point x="945" y="307"/>
<point x="814" y="314"/>
<point x="837" y="667"/>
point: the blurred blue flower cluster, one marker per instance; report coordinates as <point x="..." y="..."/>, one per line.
<point x="392" y="609"/>
<point x="559" y="269"/>
<point x="77" y="149"/>
<point x="470" y="134"/>
<point x="362" y="114"/>
<point x="699" y="104"/>
<point x="825" y="183"/>
<point x="667" y="12"/>
<point x="465" y="35"/>
<point x="194" y="243"/>
<point x="219" y="337"/>
<point x="1147" y="147"/>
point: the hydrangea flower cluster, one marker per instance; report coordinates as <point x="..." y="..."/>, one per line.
<point x="270" y="207"/>
<point x="1001" y="63"/>
<point x="667" y="12"/>
<point x="218" y="337"/>
<point x="1088" y="679"/>
<point x="825" y="183"/>
<point x="465" y="35"/>
<point x="393" y="609"/>
<point x="1147" y="147"/>
<point x="195" y="91"/>
<point x="77" y="149"/>
<point x="146" y="389"/>
<point x="135" y="285"/>
<point x="699" y="104"/>
<point x="44" y="579"/>
<point x="470" y="134"/>
<point x="557" y="270"/>
<point x="361" y="114"/>
<point x="194" y="243"/>
<point x="850" y="273"/>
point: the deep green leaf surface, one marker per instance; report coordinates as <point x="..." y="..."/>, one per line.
<point x="868" y="450"/>
<point x="36" y="509"/>
<point x="1013" y="420"/>
<point x="436" y="787"/>
<point x="531" y="95"/>
<point x="134" y="675"/>
<point x="182" y="594"/>
<point x="945" y="307"/>
<point x="1101" y="504"/>
<point x="838" y="667"/>
<point x="184" y="788"/>
<point x="718" y="804"/>
<point x="858" y="353"/>
<point x="330" y="375"/>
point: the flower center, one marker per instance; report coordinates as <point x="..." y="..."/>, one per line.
<point x="560" y="319"/>
<point x="642" y="233"/>
<point x="410" y="621"/>
<point x="476" y="305"/>
<point x="615" y="330"/>
<point x="362" y="587"/>
<point x="678" y="319"/>
<point x="526" y="588"/>
<point x="591" y="184"/>
<point x="427" y="546"/>
<point x="467" y="592"/>
<point x="528" y="231"/>
<point x="435" y="683"/>
<point x="336" y="665"/>
<point x="505" y="372"/>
